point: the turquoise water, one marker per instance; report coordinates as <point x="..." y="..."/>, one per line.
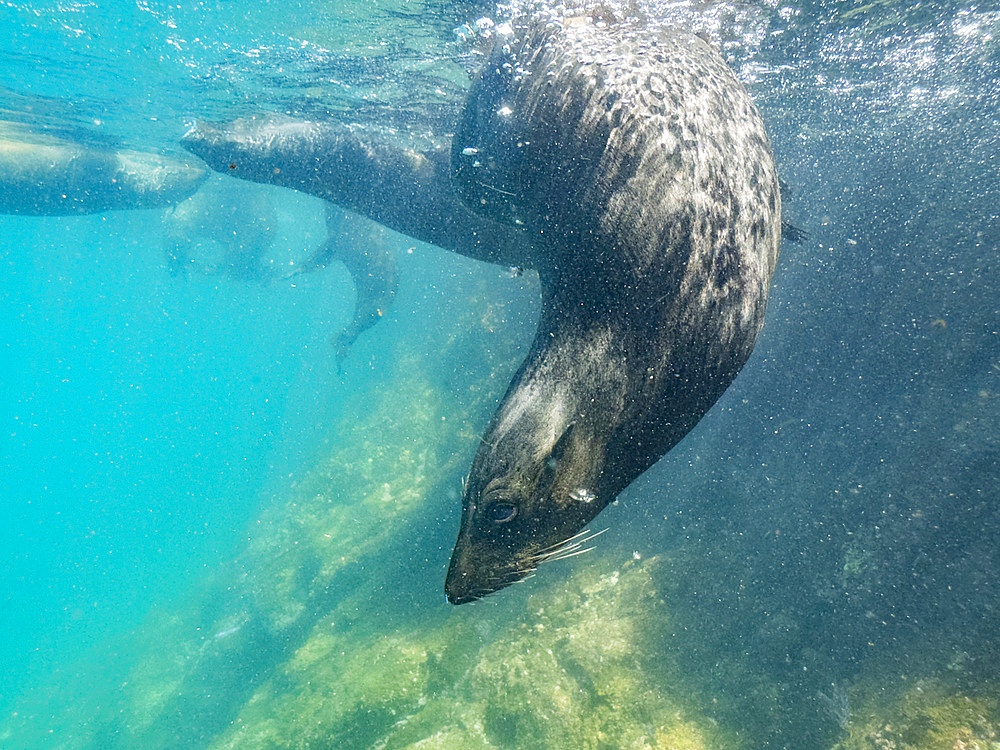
<point x="212" y="526"/>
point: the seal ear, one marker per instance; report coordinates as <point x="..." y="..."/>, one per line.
<point x="562" y="443"/>
<point x="554" y="457"/>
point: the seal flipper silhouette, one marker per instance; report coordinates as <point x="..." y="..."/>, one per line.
<point x="371" y="264"/>
<point x="221" y="231"/>
<point x="627" y="165"/>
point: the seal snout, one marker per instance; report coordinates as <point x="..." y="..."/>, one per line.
<point x="478" y="570"/>
<point x="464" y="582"/>
<point x="461" y="588"/>
<point x="457" y="598"/>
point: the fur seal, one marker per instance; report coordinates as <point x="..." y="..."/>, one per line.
<point x="628" y="165"/>
<point x="44" y="175"/>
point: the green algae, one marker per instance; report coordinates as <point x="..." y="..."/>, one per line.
<point x="586" y="671"/>
<point x="389" y="453"/>
<point x="316" y="554"/>
<point x="334" y="688"/>
<point x="576" y="669"/>
<point x="930" y="715"/>
<point x="353" y="501"/>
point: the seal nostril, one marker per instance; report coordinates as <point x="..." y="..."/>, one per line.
<point x="501" y="512"/>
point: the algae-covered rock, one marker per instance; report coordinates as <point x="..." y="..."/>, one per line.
<point x="393" y="445"/>
<point x="576" y="668"/>
<point x="356" y="498"/>
<point x="239" y="643"/>
<point x="585" y="671"/>
<point x="931" y="714"/>
<point x="334" y="691"/>
<point x="348" y="687"/>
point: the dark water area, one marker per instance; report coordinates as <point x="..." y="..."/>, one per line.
<point x="216" y="534"/>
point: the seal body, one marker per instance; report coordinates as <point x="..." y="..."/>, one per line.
<point x="638" y="165"/>
<point x="42" y="175"/>
<point x="407" y="191"/>
<point x="628" y="165"/>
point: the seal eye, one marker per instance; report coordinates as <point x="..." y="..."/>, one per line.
<point x="501" y="512"/>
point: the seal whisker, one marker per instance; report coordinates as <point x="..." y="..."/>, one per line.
<point x="564" y="541"/>
<point x="548" y="558"/>
<point x="496" y="189"/>
<point x="550" y="555"/>
<point x="567" y="546"/>
<point x="499" y="582"/>
<point x="572" y="554"/>
<point x="556" y="552"/>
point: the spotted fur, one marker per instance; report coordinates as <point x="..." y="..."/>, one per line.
<point x="638" y="167"/>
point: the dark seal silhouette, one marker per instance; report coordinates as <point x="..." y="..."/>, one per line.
<point x="627" y="164"/>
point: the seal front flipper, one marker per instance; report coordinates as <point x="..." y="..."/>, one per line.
<point x="363" y="249"/>
<point x="374" y="270"/>
<point x="793" y="233"/>
<point x="789" y="231"/>
<point x="407" y="191"/>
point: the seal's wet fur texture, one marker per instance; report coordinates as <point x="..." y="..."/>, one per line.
<point x="640" y="168"/>
<point x="627" y="164"/>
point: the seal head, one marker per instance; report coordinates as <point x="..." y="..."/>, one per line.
<point x="637" y="166"/>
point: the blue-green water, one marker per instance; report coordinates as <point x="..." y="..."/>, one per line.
<point x="214" y="534"/>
